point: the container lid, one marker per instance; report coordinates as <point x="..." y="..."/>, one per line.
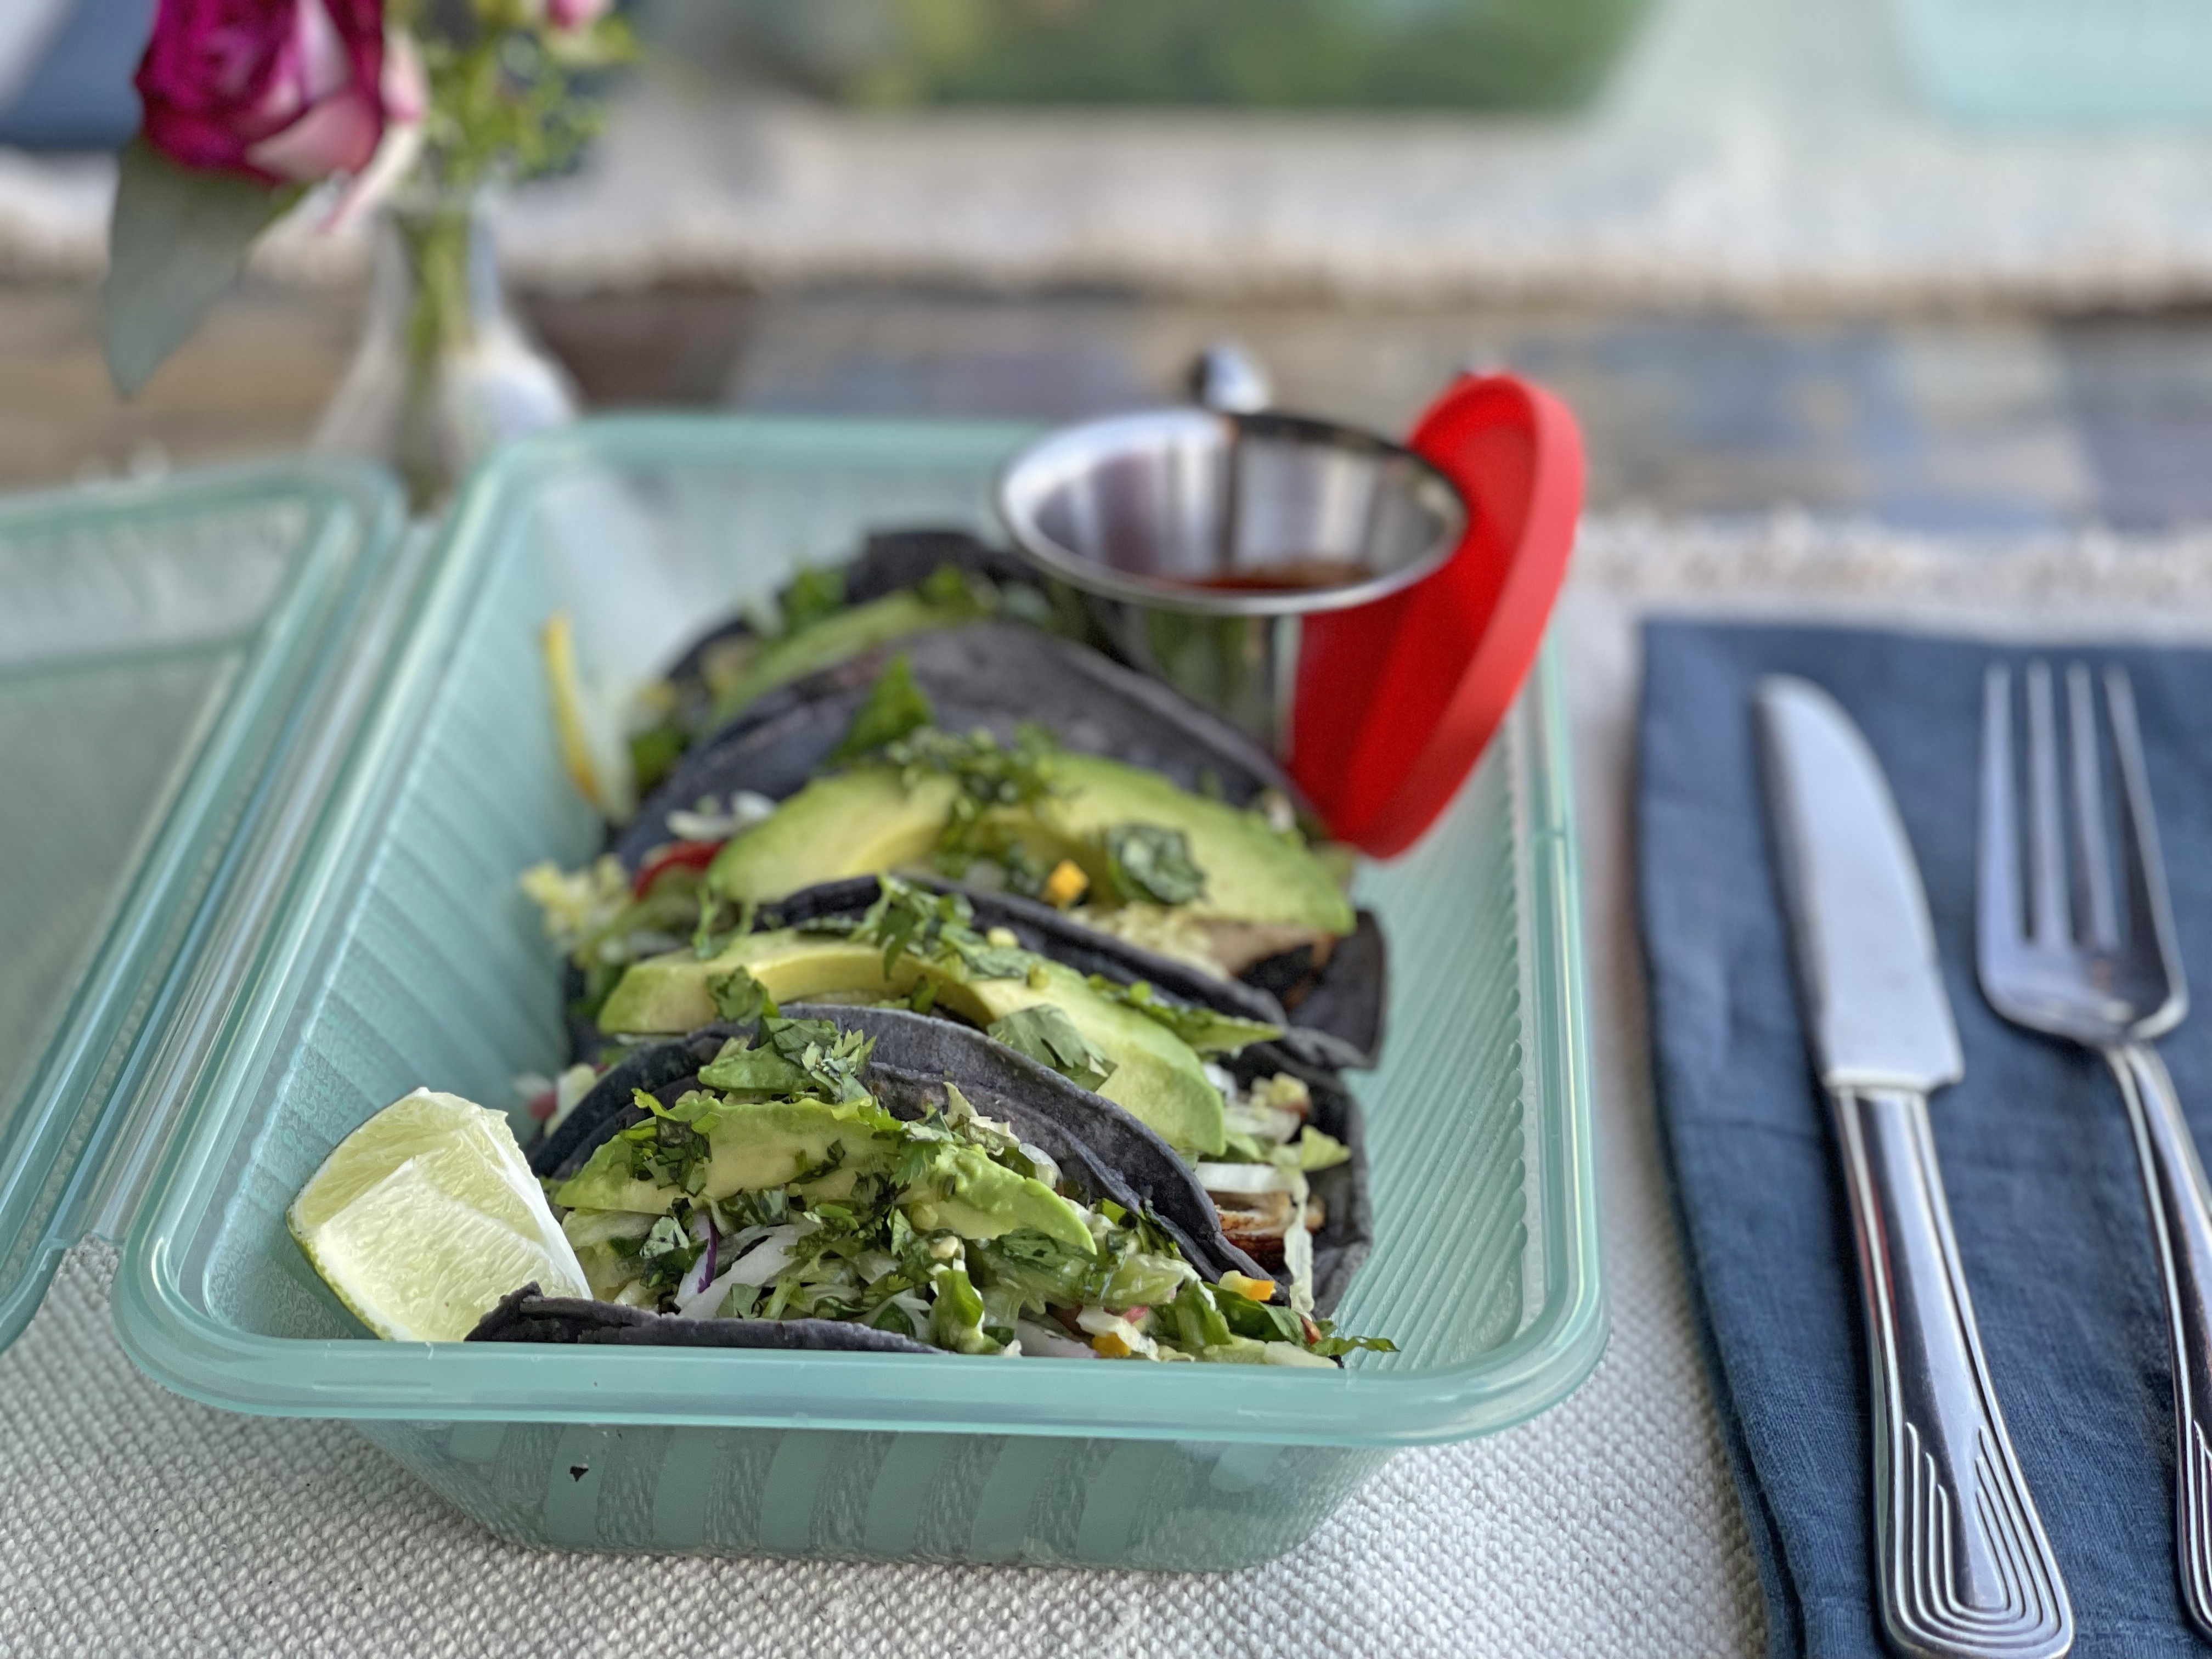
<point x="176" y="657"/>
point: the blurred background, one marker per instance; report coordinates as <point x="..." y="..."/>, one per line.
<point x="1941" y="263"/>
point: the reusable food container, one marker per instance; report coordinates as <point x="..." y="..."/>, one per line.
<point x="2061" y="63"/>
<point x="285" y="895"/>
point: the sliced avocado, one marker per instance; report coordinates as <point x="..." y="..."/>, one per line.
<point x="839" y="638"/>
<point x="859" y="823"/>
<point x="967" y="1193"/>
<point x="672" y="994"/>
<point x="1252" y="873"/>
<point x="1157" y="1076"/>
<point x="765" y="1144"/>
<point x="754" y="1145"/>
<point x="592" y="1234"/>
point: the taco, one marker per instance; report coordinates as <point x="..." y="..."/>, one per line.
<point x="945" y="759"/>
<point x="1263" y="1116"/>
<point x="873" y="1178"/>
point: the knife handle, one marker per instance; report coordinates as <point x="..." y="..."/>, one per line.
<point x="2174" y="1188"/>
<point x="1962" y="1568"/>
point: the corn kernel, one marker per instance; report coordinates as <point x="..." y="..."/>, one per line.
<point x="1257" y="1290"/>
<point x="1065" y="884"/>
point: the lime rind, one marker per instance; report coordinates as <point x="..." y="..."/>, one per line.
<point x="425" y="1215"/>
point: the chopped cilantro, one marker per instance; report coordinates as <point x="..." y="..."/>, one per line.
<point x="793" y="1058"/>
<point x="950" y="584"/>
<point x="1329" y="1346"/>
<point x="992" y="776"/>
<point x="908" y="920"/>
<point x="738" y="997"/>
<point x="1044" y="1033"/>
<point x="709" y="938"/>
<point x="1150" y="863"/>
<point x="832" y="1060"/>
<point x="666" y="1149"/>
<point x="895" y="706"/>
<point x="808" y="1173"/>
<point x="814" y="593"/>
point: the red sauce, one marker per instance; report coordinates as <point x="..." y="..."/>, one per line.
<point x="1290" y="574"/>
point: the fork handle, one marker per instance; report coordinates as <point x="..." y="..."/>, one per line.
<point x="1962" y="1569"/>
<point x="2181" y="1225"/>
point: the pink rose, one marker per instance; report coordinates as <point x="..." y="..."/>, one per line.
<point x="284" y="91"/>
<point x="575" y="14"/>
<point x="406" y="89"/>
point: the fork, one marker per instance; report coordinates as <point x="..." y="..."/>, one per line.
<point x="2097" y="965"/>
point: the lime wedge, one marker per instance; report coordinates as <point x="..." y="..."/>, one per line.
<point x="426" y="1215"/>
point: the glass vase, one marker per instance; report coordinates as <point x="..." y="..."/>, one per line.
<point x="445" y="372"/>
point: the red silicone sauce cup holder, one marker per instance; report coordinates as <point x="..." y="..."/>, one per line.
<point x="1396" y="701"/>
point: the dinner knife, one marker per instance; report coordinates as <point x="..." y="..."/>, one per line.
<point x="1962" y="1566"/>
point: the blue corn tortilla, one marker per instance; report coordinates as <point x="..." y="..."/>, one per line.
<point x="524" y="1315"/>
<point x="994" y="675"/>
<point x="1039" y="927"/>
<point x="1104" y="1151"/>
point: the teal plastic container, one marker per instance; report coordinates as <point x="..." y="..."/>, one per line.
<point x="2062" y="63"/>
<point x="315" y="910"/>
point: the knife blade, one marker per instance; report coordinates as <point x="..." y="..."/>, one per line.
<point x="1962" y="1566"/>
<point x="1876" y="1012"/>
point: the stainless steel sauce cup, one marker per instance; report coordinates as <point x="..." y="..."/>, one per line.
<point x="1198" y="538"/>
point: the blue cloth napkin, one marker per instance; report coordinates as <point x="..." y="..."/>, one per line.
<point x="2035" y="1149"/>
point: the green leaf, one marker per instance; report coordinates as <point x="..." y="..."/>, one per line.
<point x="177" y="241"/>
<point x="738" y="997"/>
<point x="1044" y="1033"/>
<point x="1263" y="1321"/>
<point x="743" y="1069"/>
<point x="895" y="706"/>
<point x="1330" y="1346"/>
<point x="1148" y="862"/>
<point x="1197" y="1323"/>
<point x="817" y="591"/>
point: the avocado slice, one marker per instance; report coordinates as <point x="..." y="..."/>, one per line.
<point x="838" y="638"/>
<point x="967" y="1193"/>
<point x="756" y="1145"/>
<point x="763" y="1143"/>
<point x="859" y="823"/>
<point x="868" y="821"/>
<point x="1252" y="873"/>
<point x="1156" y="1078"/>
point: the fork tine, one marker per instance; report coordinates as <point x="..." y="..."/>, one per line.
<point x="2100" y="918"/>
<point x="1996" y="864"/>
<point x="2150" y="913"/>
<point x="2048" y="918"/>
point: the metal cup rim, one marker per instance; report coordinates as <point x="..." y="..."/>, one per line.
<point x="1014" y="495"/>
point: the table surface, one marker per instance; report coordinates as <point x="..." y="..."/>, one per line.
<point x="1604" y="1527"/>
<point x="1961" y="422"/>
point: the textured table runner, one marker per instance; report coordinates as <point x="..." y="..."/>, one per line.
<point x="134" y="1523"/>
<point x="1749" y="151"/>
